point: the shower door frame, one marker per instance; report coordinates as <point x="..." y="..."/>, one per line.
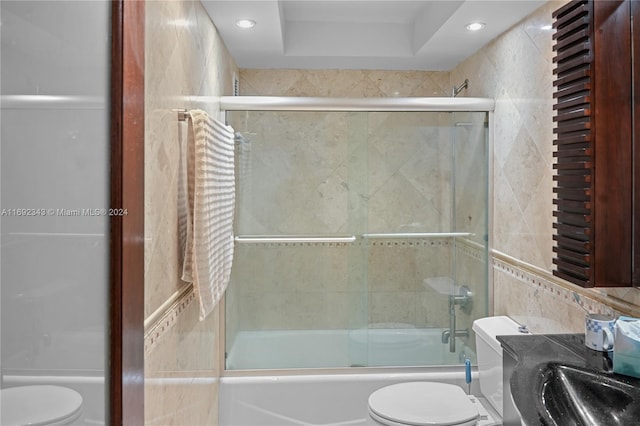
<point x="407" y="104"/>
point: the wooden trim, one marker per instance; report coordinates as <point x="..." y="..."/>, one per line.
<point x="635" y="13"/>
<point x="613" y="153"/>
<point x="126" y="370"/>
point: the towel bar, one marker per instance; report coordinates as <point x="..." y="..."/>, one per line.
<point x="419" y="235"/>
<point x="182" y="114"/>
<point x="294" y="239"/>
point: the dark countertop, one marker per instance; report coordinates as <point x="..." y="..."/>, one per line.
<point x="527" y="356"/>
<point x="533" y="352"/>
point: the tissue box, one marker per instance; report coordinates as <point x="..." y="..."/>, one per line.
<point x="626" y="347"/>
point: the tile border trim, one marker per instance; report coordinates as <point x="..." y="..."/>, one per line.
<point x="548" y="283"/>
<point x="168" y="319"/>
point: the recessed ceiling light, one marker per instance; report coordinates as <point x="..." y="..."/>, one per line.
<point x="245" y="23"/>
<point x="546" y="27"/>
<point x="476" y="26"/>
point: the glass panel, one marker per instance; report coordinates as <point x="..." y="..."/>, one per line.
<point x="298" y="281"/>
<point x="404" y="196"/>
<point x="412" y="256"/>
<point x="470" y="156"/>
<point x="54" y="170"/>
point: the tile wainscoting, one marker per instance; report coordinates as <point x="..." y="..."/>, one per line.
<point x="545" y="303"/>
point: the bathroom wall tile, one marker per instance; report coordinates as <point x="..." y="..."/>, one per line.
<point x="346" y="310"/>
<point x="505" y="132"/>
<point x="435" y="83"/>
<point x="540" y="221"/>
<point x="541" y="302"/>
<point x="333" y="83"/>
<point x="629" y="296"/>
<point x="506" y="209"/>
<point x="392" y="165"/>
<point x="522" y="167"/>
<point x="517" y="70"/>
<point x="517" y="66"/>
<point x="261" y="311"/>
<point x="186" y="62"/>
<point x="470" y="176"/>
<point x="432" y="309"/>
<point x="181" y="386"/>
<point x="343" y="83"/>
<point x="392" y="307"/>
<point x="385" y="263"/>
<point x="255" y="82"/>
<point x="399" y="204"/>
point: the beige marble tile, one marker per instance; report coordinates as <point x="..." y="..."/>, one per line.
<point x="539" y="217"/>
<point x="544" y="306"/>
<point x="343" y="83"/>
<point x="346" y="310"/>
<point x="524" y="168"/>
<point x="506" y="128"/>
<point x="267" y="82"/>
<point x="181" y="376"/>
<point x="506" y="212"/>
<point x="392" y="307"/>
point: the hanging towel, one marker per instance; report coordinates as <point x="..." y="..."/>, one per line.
<point x="210" y="203"/>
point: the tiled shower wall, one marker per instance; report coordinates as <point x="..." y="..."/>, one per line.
<point x="325" y="292"/>
<point x="185" y="60"/>
<point x="516" y="70"/>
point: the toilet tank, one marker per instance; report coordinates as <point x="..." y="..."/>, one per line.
<point x="489" y="353"/>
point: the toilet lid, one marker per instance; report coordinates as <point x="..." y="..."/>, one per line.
<point x="423" y="404"/>
<point x="39" y="405"/>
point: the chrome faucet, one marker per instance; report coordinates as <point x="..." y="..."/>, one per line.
<point x="446" y="337"/>
<point x="464" y="299"/>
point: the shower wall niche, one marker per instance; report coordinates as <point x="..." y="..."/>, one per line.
<point x="352" y="230"/>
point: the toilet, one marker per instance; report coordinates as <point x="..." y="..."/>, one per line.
<point x="39" y="406"/>
<point x="440" y="404"/>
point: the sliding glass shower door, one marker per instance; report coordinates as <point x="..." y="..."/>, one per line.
<point x="348" y="231"/>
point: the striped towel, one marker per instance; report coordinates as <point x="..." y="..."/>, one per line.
<point x="210" y="203"/>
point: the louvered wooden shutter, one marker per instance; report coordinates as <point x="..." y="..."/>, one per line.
<point x="574" y="142"/>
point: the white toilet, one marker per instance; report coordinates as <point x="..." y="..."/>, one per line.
<point x="439" y="404"/>
<point x="39" y="406"/>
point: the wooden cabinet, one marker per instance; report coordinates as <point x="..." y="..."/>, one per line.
<point x="597" y="165"/>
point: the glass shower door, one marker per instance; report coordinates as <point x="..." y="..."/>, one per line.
<point x="353" y="231"/>
<point x="426" y="234"/>
<point x="298" y="285"/>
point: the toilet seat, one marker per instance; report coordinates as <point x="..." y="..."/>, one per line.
<point x="423" y="404"/>
<point x="39" y="406"/>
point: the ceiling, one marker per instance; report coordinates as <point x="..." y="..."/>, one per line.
<point x="361" y="34"/>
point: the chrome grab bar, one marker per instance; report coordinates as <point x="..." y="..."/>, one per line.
<point x="293" y="239"/>
<point x="343" y="239"/>
<point x="419" y="235"/>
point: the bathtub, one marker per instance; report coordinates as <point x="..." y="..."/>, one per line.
<point x="284" y="349"/>
<point x="319" y="399"/>
<point x="328" y="394"/>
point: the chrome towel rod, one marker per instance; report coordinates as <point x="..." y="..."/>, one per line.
<point x="295" y="239"/>
<point x="420" y="235"/>
<point x="343" y="239"/>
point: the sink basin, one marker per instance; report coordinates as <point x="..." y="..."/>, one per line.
<point x="567" y="395"/>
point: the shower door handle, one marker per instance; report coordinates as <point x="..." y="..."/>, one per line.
<point x="293" y="239"/>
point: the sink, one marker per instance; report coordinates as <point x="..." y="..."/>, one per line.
<point x="567" y="395"/>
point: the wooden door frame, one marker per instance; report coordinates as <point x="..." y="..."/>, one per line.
<point x="126" y="338"/>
